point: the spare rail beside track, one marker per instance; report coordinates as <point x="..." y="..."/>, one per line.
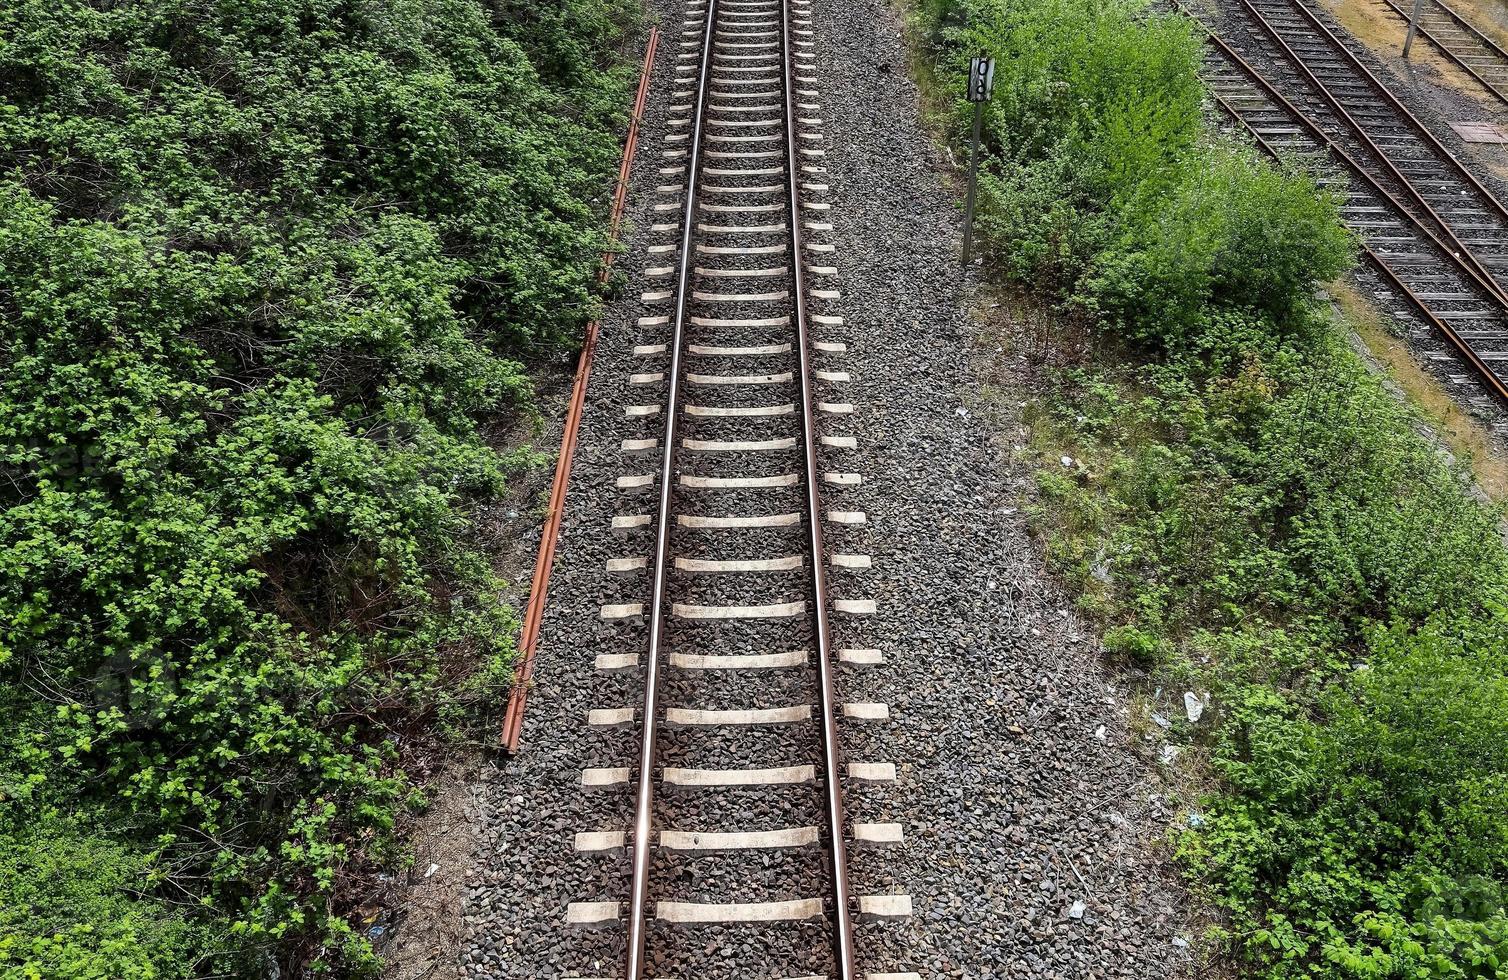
<point x="544" y="562"/>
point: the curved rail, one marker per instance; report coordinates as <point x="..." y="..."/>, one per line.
<point x="1455" y="249"/>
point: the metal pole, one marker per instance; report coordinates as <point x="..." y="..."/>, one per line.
<point x="1408" y="39"/>
<point x="968" y="207"/>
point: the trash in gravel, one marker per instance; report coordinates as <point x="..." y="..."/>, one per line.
<point x="1168" y="754"/>
<point x="1180" y="942"/>
<point x="376" y="932"/>
<point x="1160" y="721"/>
<point x="1067" y="461"/>
<point x="1099" y="733"/>
<point x="1196" y="820"/>
<point x="432" y="869"/>
<point x="963" y="413"/>
<point x="1192" y="705"/>
<point x="1076" y="911"/>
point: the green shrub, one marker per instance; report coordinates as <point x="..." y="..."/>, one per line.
<point x="1256" y="526"/>
<point x="1373" y="836"/>
<point x="271" y="274"/>
<point x="1233" y="232"/>
<point x="1102" y="183"/>
<point x="67" y="909"/>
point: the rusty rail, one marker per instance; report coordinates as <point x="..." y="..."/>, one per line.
<point x="1425" y="134"/>
<point x="1462" y="347"/>
<point x="1445" y="49"/>
<point x="838" y="854"/>
<point x="513" y="717"/>
<point x="1377" y="85"/>
<point x="1470" y="270"/>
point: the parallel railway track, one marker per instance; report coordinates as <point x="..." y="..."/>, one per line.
<point x="739" y="828"/>
<point x="1432" y="230"/>
<point x="1328" y="80"/>
<point x="1460" y="42"/>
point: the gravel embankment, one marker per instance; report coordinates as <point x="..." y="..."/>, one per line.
<point x="1012" y="808"/>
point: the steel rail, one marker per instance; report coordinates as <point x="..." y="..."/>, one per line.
<point x="1494" y="383"/>
<point x="842" y="924"/>
<point x="644" y="798"/>
<point x="1466" y="252"/>
<point x="1451" y="55"/>
<point x="1469" y="26"/>
<point x="1454" y="251"/>
<point x="544" y="562"/>
<point x="1377" y="85"/>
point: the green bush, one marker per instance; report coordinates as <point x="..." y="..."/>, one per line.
<point x="1374" y="838"/>
<point x="1234" y="232"/>
<point x="1259" y="531"/>
<point x="1103" y="184"/>
<point x="270" y="275"/>
<point x="67" y="909"/>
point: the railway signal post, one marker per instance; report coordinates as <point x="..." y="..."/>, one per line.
<point x="981" y="84"/>
<point x="1408" y="39"/>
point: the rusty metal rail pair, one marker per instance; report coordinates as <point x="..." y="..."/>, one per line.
<point x="658" y="604"/>
<point x="1471" y="270"/>
<point x="1409" y="121"/>
<point x="1489" y="377"/>
<point x="1498" y="85"/>
<point x="1441" y="236"/>
<point x="513" y="716"/>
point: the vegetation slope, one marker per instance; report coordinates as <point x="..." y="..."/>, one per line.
<point x="1247" y="509"/>
<point x="270" y="274"/>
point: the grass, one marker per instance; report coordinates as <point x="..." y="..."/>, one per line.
<point x="1466" y="438"/>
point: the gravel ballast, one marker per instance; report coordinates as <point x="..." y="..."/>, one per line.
<point x="1013" y="809"/>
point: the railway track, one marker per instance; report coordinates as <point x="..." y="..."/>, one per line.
<point x="1455" y="37"/>
<point x="738" y="540"/>
<point x="1318" y="71"/>
<point x="1464" y="319"/>
<point x="1431" y="229"/>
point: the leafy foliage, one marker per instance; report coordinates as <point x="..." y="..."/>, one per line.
<point x="1248" y="509"/>
<point x="67" y="910"/>
<point x="1103" y="184"/>
<point x="270" y="272"/>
